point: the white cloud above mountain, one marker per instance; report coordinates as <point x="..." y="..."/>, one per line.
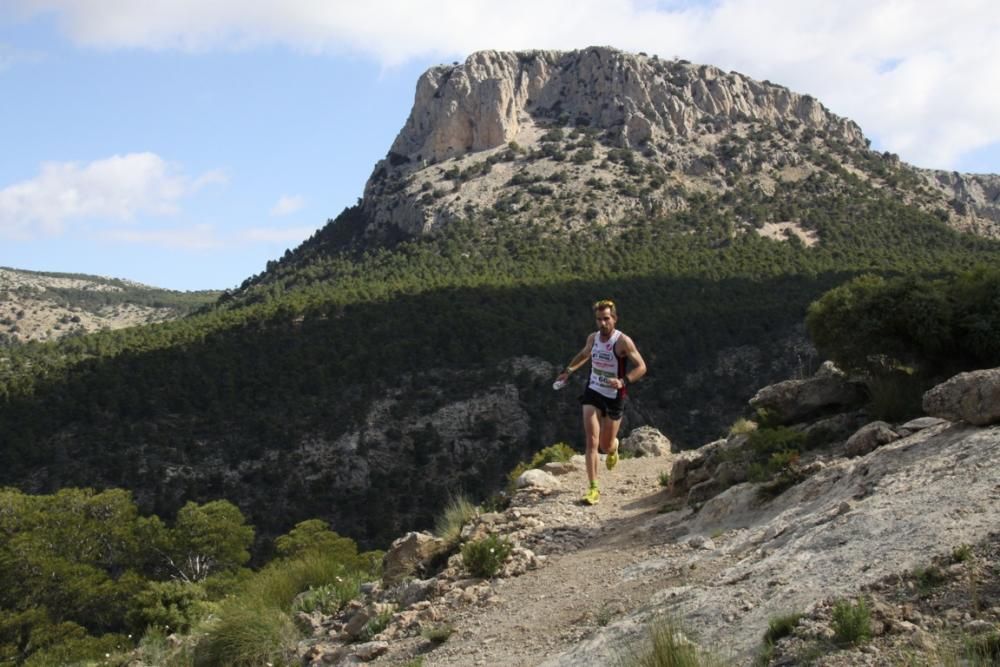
<point x="917" y="76"/>
<point x="287" y="204"/>
<point x="116" y="189"/>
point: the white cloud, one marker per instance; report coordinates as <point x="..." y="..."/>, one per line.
<point x="918" y="76"/>
<point x="115" y="189"/>
<point x="287" y="205"/>
<point x="198" y="237"/>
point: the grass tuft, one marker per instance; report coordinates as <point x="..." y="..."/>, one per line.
<point x="668" y="647"/>
<point x="852" y="623"/>
<point x="438" y="634"/>
<point x="458" y="512"/>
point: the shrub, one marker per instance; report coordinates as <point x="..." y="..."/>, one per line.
<point x="765" y="441"/>
<point x="253" y="627"/>
<point x="741" y="426"/>
<point x="247" y="634"/>
<point x="483" y="558"/>
<point x="458" y="512"/>
<point x="665" y="478"/>
<point x="852" y="623"/>
<point x="77" y="649"/>
<point x="328" y="598"/>
<point x="278" y="584"/>
<point x="983" y="651"/>
<point x="374" y="626"/>
<point x="558" y="452"/>
<point x="438" y="634"/>
<point x="668" y="647"/>
<point x="167" y="604"/>
<point x="780" y="627"/>
<point x="895" y="395"/>
<point x="961" y="553"/>
<point x="928" y="578"/>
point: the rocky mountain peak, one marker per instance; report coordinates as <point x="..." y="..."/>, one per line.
<point x="491" y="98"/>
<point x="595" y="136"/>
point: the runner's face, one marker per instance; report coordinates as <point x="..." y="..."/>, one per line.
<point x="605" y="321"/>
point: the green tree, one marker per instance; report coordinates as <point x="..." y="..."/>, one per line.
<point x="207" y="539"/>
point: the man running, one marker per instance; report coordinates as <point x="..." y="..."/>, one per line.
<point x="604" y="398"/>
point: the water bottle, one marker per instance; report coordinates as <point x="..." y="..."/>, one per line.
<point x="558" y="384"/>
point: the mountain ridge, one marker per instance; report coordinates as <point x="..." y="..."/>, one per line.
<point x="478" y="127"/>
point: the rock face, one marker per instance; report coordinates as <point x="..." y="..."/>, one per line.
<point x="634" y="102"/>
<point x="482" y="132"/>
<point x="485" y="102"/>
<point x="973" y="397"/>
<point x="793" y="401"/>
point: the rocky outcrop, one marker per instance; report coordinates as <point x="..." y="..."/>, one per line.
<point x="646" y="441"/>
<point x="484" y="102"/>
<point x="794" y="401"/>
<point x="501" y="106"/>
<point x="973" y="397"/>
<point x="974" y="199"/>
<point x="409" y="555"/>
<point x="869" y="438"/>
<point x="722" y="553"/>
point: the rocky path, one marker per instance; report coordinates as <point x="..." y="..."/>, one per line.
<point x="594" y="571"/>
<point x="725" y="571"/>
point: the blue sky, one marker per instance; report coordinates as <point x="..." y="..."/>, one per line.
<point x="183" y="143"/>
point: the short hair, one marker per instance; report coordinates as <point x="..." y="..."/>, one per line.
<point x="606" y="303"/>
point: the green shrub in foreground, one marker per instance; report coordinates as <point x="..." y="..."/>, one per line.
<point x="485" y="557"/>
<point x="982" y="651"/>
<point x="852" y="623"/>
<point x="254" y="627"/>
<point x="248" y="635"/>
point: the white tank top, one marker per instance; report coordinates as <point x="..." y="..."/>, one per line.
<point x="605" y="365"/>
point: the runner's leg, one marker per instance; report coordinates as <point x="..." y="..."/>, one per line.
<point x="609" y="431"/>
<point x="592" y="430"/>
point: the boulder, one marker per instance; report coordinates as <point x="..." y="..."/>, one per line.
<point x="559" y="468"/>
<point x="408" y="555"/>
<point x="972" y="397"/>
<point x="869" y="438"/>
<point x="537" y="479"/>
<point x="795" y="401"/>
<point x="646" y="441"/>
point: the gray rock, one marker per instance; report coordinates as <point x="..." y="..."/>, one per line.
<point x="408" y="555"/>
<point x="559" y="468"/>
<point x="646" y="441"/>
<point x="537" y="479"/>
<point x="370" y="650"/>
<point x="973" y="397"/>
<point x="795" y="401"/>
<point x="869" y="438"/>
<point x="836" y="428"/>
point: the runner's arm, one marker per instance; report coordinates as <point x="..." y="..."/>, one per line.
<point x="638" y="363"/>
<point x="579" y="360"/>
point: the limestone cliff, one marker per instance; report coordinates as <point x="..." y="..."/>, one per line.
<point x="482" y="133"/>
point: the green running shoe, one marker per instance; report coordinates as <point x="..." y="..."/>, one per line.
<point x="612" y="459"/>
<point x="592" y="497"/>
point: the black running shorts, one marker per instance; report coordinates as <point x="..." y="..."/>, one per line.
<point x="608" y="407"/>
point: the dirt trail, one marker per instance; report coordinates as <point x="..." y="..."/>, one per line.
<point x="589" y="579"/>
